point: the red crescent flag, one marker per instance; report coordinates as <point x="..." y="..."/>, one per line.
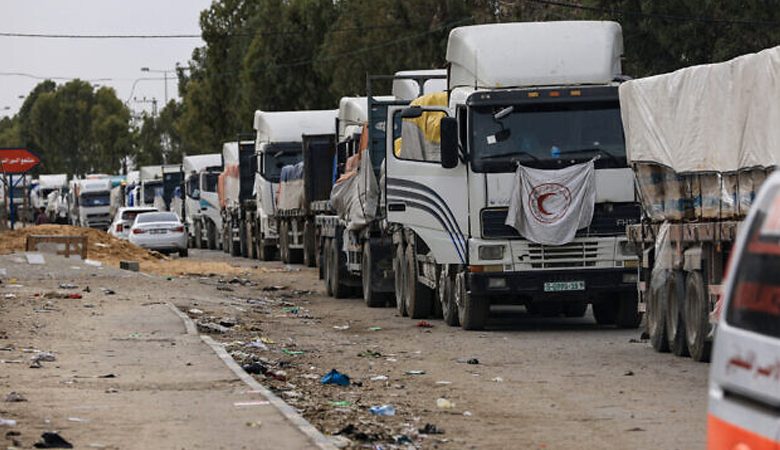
<point x="17" y="160"/>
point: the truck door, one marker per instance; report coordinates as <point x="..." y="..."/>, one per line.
<point x="420" y="194"/>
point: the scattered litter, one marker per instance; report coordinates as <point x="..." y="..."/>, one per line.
<point x="430" y="428"/>
<point x="444" y="382"/>
<point x="3" y="272"/>
<point x="74" y="296"/>
<point x="292" y="394"/>
<point x="86" y="289"/>
<point x="7" y="422"/>
<point x="195" y="311"/>
<point x="467" y="413"/>
<point x="374" y="328"/>
<point x="468" y="360"/>
<point x="629" y="373"/>
<point x="341" y="327"/>
<point x="266" y="340"/>
<point x="210" y="327"/>
<point x="340" y="441"/>
<point x="93" y="263"/>
<point x="68" y="286"/>
<point x="258" y="344"/>
<point x="415" y="372"/>
<point x="255" y="368"/>
<point x="335" y="377"/>
<point x="38" y="358"/>
<point x="77" y="419"/>
<point x="341" y="404"/>
<point x="35" y="258"/>
<point x="112" y="390"/>
<point x="14" y="397"/>
<point x="274" y="288"/>
<point x="443" y="403"/>
<point x="228" y="322"/>
<point x="101" y="245"/>
<point x="108" y="291"/>
<point x="402" y="439"/>
<point x="292" y="352"/>
<point x="255" y="424"/>
<point x="221" y="288"/>
<point x="636" y="429"/>
<point x="291" y="309"/>
<point x="52" y="440"/>
<point x="380" y="378"/>
<point x="369" y="354"/>
<point x="424" y="324"/>
<point x="498" y="380"/>
<point x="108" y="375"/>
<point x="252" y="403"/>
<point x="14" y="286"/>
<point x="9" y="296"/>
<point x="383" y="410"/>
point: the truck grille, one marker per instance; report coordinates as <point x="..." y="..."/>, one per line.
<point x="608" y="220"/>
<point x="573" y="254"/>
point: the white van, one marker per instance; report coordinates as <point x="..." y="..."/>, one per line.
<point x="744" y="391"/>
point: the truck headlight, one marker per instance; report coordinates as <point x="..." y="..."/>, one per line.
<point x="491" y="252"/>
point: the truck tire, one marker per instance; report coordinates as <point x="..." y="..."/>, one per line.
<point x="372" y="298"/>
<point x="326" y="266"/>
<point x="419" y="298"/>
<point x="473" y="311"/>
<point x="309" y="244"/>
<point x="399" y="270"/>
<point x="337" y="270"/>
<point x="251" y="241"/>
<point x="197" y="240"/>
<point x="605" y="311"/>
<point x="628" y="315"/>
<point x="675" y="325"/>
<point x="242" y="240"/>
<point x="211" y="236"/>
<point x="321" y="259"/>
<point x="449" y="308"/>
<point x="696" y="314"/>
<point x="656" y="312"/>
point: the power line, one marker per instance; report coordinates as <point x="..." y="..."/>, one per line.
<point x="670" y="17"/>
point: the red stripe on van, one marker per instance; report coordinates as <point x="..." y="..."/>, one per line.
<point x="722" y="435"/>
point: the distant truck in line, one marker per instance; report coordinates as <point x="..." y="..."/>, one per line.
<point x="90" y="202"/>
<point x="201" y="205"/>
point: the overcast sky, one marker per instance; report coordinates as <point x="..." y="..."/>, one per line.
<point x="116" y="62"/>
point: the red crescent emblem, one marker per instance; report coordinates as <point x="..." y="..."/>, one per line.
<point x="540" y="203"/>
<point x="557" y="195"/>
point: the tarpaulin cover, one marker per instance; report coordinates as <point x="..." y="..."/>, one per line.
<point x="290" y="195"/>
<point x="718" y="117"/>
<point x="355" y="196"/>
<point x="549" y="206"/>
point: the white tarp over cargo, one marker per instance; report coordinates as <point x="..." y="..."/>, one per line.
<point x="549" y="206"/>
<point x="717" y="117"/>
<point x="554" y="53"/>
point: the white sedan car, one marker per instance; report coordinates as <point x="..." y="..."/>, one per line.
<point x="161" y="231"/>
<point x="124" y="218"/>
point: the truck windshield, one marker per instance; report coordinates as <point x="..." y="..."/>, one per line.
<point x="277" y="156"/>
<point x="210" y="182"/>
<point x="546" y="136"/>
<point x="95" y="199"/>
<point x="753" y="304"/>
<point x="149" y="191"/>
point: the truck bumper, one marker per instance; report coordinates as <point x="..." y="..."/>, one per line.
<point x="560" y="284"/>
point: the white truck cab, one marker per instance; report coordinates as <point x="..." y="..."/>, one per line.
<point x="744" y="393"/>
<point x="202" y="211"/>
<point x="92" y="200"/>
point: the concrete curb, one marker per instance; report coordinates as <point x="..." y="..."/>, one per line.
<point x="286" y="410"/>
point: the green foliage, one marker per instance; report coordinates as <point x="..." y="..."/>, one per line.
<point x="10" y="132"/>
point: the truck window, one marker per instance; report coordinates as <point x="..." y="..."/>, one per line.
<point x="546" y="135"/>
<point x="95" y="199"/>
<point x="420" y="138"/>
<point x="210" y="180"/>
<point x="192" y="184"/>
<point x="276" y="156"/>
<point x="754" y="304"/>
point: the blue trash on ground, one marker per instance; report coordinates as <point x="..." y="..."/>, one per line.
<point x="384" y="410"/>
<point x="335" y="377"/>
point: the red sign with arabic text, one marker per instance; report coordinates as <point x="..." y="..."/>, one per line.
<point x="17" y="160"/>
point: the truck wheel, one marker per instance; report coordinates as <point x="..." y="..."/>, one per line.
<point x="399" y="270"/>
<point x="628" y="315"/>
<point x="575" y="309"/>
<point x="373" y="299"/>
<point x="197" y="240"/>
<point x="321" y="259"/>
<point x="211" y="236"/>
<point x="419" y="298"/>
<point x="656" y="312"/>
<point x="244" y="248"/>
<point x="675" y="327"/>
<point x="449" y="308"/>
<point x="326" y="268"/>
<point x="605" y="311"/>
<point x="337" y="271"/>
<point x="251" y="242"/>
<point x="696" y="314"/>
<point x="472" y="310"/>
<point x="309" y="244"/>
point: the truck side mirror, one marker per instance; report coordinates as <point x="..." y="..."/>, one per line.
<point x="449" y="142"/>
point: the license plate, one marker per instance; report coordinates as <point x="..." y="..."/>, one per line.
<point x="158" y="231"/>
<point x="561" y="286"/>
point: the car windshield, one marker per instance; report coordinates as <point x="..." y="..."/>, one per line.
<point x="280" y="155"/>
<point x="546" y="136"/>
<point x="753" y="304"/>
<point x="130" y="215"/>
<point x="96" y="199"/>
<point x="157" y="217"/>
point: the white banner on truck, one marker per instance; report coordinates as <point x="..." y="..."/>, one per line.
<point x="549" y="206"/>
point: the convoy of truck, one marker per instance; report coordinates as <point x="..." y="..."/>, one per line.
<point x="201" y="205"/>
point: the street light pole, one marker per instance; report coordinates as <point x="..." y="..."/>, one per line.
<point x="165" y="78"/>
